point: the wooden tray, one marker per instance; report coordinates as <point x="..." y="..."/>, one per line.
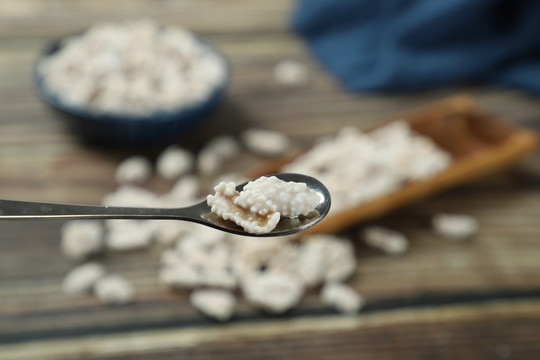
<point x="479" y="144"/>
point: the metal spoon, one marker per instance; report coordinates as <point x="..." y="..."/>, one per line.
<point x="199" y="213"/>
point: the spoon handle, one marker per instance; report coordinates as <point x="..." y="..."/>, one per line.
<point x="25" y="210"/>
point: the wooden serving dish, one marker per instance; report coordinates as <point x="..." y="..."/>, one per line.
<point x="479" y="144"/>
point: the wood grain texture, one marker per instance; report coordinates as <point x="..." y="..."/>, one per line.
<point x="473" y="300"/>
<point x="489" y="331"/>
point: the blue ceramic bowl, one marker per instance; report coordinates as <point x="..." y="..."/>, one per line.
<point x="119" y="129"/>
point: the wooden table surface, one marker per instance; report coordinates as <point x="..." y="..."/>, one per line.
<point x="443" y="300"/>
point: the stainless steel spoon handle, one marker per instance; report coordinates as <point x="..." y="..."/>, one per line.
<point x="16" y="209"/>
<point x="199" y="213"/>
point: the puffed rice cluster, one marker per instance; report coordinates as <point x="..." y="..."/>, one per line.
<point x="359" y="167"/>
<point x="136" y="68"/>
<point x="262" y="203"/>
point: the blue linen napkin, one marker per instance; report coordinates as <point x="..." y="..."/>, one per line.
<point x="396" y="45"/>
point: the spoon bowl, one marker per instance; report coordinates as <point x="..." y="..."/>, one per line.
<point x="199" y="213"/>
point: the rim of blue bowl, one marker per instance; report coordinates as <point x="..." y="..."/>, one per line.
<point x="158" y="117"/>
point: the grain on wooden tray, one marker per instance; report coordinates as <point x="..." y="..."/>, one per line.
<point x="358" y="167"/>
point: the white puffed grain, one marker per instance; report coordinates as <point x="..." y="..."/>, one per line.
<point x="266" y="142"/>
<point x="218" y="278"/>
<point x="174" y="162"/>
<point x="185" y="192"/>
<point x="170" y="257"/>
<point x="225" y="146"/>
<point x="131" y="196"/>
<point x="133" y="169"/>
<point x="249" y="257"/>
<point x="197" y="251"/>
<point x="125" y="235"/>
<point x="217" y="304"/>
<point x="234" y="177"/>
<point x="339" y="257"/>
<point x="134" y="68"/>
<point x="208" y="162"/>
<point x="114" y="290"/>
<point x="290" y="73"/>
<point x="387" y="240"/>
<point x="455" y="226"/>
<point x="268" y="193"/>
<point x="223" y="204"/>
<point x="81" y="238"/>
<point x="208" y="236"/>
<point x="341" y="297"/>
<point x="168" y="232"/>
<point x="81" y="280"/>
<point x="311" y="264"/>
<point x="187" y="187"/>
<point x="261" y="204"/>
<point x="272" y="291"/>
<point x="285" y="260"/>
<point x="180" y="276"/>
<point x="340" y="261"/>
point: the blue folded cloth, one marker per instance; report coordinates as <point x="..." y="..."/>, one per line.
<point x="396" y="45"/>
